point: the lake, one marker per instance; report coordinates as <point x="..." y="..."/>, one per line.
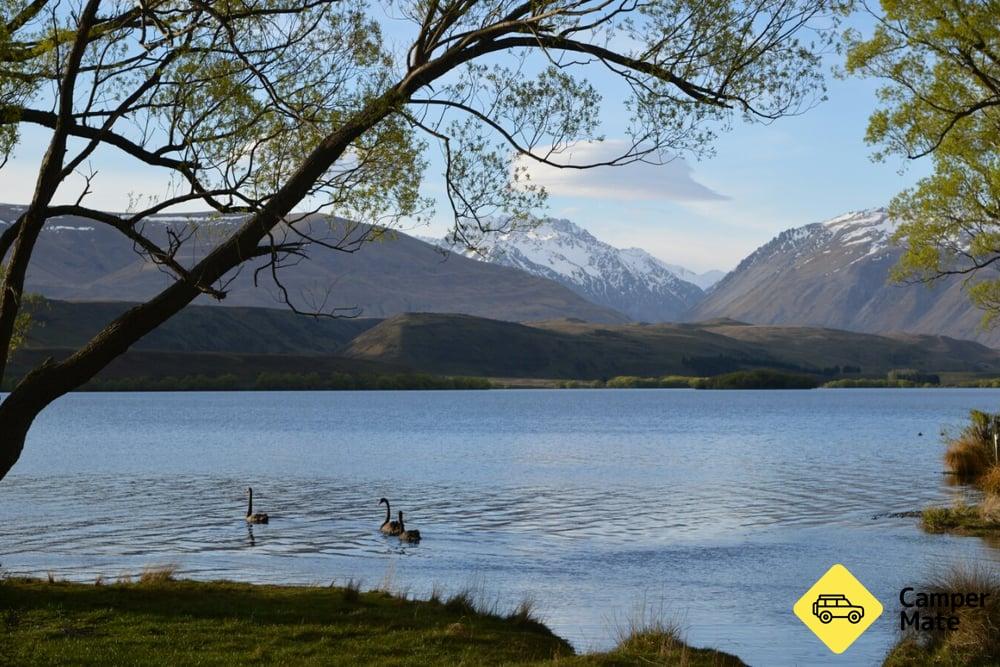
<point x="713" y="509"/>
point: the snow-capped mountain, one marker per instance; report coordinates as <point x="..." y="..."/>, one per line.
<point x="631" y="281"/>
<point x="853" y="236"/>
<point x="703" y="280"/>
<point x="836" y="274"/>
<point x="77" y="259"/>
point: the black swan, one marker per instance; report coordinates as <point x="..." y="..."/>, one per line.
<point x="389" y="527"/>
<point x="407" y="535"/>
<point x="259" y="517"/>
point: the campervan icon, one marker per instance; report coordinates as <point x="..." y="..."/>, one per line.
<point x="828" y="607"/>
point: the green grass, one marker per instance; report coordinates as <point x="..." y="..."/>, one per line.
<point x="970" y="458"/>
<point x="961" y="519"/>
<point x="159" y="621"/>
<point x="654" y="646"/>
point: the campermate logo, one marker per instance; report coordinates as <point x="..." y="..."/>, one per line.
<point x="838" y="608"/>
<point x="929" y="611"/>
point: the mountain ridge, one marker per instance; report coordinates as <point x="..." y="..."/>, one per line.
<point x="77" y="259"/>
<point x="630" y="280"/>
<point x="829" y="274"/>
<point x="836" y="274"/>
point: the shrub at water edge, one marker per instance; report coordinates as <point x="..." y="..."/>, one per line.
<point x="975" y="640"/>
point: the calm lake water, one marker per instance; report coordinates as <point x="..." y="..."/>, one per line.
<point x="714" y="509"/>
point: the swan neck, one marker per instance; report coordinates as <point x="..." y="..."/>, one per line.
<point x="250" y="503"/>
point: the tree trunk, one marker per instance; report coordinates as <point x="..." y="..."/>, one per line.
<point x="17" y="413"/>
<point x="51" y="380"/>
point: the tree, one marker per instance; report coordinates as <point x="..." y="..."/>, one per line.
<point x="940" y="60"/>
<point x="258" y="108"/>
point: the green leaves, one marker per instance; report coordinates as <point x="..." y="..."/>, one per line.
<point x="679" y="71"/>
<point x="940" y="63"/>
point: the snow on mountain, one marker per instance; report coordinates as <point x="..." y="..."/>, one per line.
<point x="836" y="274"/>
<point x="78" y="259"/>
<point x="703" y="280"/>
<point x="873" y="228"/>
<point x="839" y="242"/>
<point x="631" y="281"/>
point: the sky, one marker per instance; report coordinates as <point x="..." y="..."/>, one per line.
<point x="701" y="214"/>
<point x="761" y="180"/>
<point x="709" y="214"/>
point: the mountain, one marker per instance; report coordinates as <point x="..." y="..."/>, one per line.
<point x="458" y="344"/>
<point x="836" y="274"/>
<point x="630" y="281"/>
<point x="703" y="280"/>
<point x="81" y="260"/>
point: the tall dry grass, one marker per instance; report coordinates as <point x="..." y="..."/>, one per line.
<point x="989" y="481"/>
<point x="989" y="510"/>
<point x="967" y="458"/>
<point x="976" y="641"/>
<point x="654" y="637"/>
<point x="158" y="574"/>
<point x="972" y="454"/>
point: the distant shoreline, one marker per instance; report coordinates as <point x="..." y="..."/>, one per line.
<point x="752" y="380"/>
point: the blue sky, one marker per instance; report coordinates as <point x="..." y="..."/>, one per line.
<point x="704" y="214"/>
<point x="763" y="179"/>
<point x="795" y="171"/>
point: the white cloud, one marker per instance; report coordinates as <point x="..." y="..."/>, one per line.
<point x="673" y="181"/>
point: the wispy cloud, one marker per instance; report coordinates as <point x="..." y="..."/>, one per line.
<point x="673" y="181"/>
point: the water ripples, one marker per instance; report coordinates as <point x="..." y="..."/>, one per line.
<point x="104" y="514"/>
<point x="588" y="502"/>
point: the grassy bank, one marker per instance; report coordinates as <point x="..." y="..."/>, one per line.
<point x="964" y="519"/>
<point x="970" y="637"/>
<point x="159" y="621"/>
<point x="975" y="640"/>
<point x="972" y="457"/>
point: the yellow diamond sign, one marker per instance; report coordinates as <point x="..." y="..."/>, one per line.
<point x="838" y="608"/>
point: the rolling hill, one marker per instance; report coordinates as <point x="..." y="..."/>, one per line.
<point x="237" y="330"/>
<point x="201" y="340"/>
<point x="247" y="341"/>
<point x="157" y="364"/>
<point x="574" y="349"/>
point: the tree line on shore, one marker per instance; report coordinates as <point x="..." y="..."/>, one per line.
<point x="288" y="381"/>
<point x="343" y="381"/>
